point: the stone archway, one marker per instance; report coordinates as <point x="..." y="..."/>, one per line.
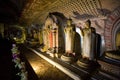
<point x="118" y="40"/>
<point x="115" y="31"/>
<point x="53" y="34"/>
<point x="111" y="27"/>
<point x="47" y="37"/>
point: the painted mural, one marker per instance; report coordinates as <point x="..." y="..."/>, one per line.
<point x="111" y="27"/>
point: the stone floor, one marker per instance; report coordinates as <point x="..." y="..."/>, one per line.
<point x="43" y="69"/>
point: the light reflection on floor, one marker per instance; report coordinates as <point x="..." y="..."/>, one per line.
<point x="37" y="69"/>
<point x="44" y="70"/>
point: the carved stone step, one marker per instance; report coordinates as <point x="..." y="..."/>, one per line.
<point x="110" y="67"/>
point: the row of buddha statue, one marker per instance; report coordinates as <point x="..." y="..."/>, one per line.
<point x="65" y="42"/>
<point x="88" y="49"/>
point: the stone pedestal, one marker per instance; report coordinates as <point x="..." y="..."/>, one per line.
<point x="87" y="64"/>
<point x="110" y="66"/>
<point x="113" y="54"/>
<point x="68" y="58"/>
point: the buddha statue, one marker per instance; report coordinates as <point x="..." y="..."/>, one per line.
<point x="69" y="35"/>
<point x="69" y="40"/>
<point x="88" y="53"/>
<point x="89" y="41"/>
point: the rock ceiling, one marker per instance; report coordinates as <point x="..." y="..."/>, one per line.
<point x="10" y="10"/>
<point x="36" y="11"/>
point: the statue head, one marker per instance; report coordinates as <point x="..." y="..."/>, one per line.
<point x="69" y="22"/>
<point x="88" y="23"/>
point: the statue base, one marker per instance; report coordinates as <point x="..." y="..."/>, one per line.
<point x="52" y="52"/>
<point x="88" y="64"/>
<point x="67" y="58"/>
<point x="113" y="54"/>
<point x="43" y="48"/>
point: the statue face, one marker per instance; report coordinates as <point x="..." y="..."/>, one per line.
<point x="87" y="24"/>
<point x="69" y="22"/>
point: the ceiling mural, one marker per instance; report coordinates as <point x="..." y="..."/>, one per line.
<point x="28" y="12"/>
<point x="111" y="28"/>
<point x="32" y="12"/>
<point x="37" y="10"/>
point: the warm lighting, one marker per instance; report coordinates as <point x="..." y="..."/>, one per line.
<point x="39" y="69"/>
<point x="14" y="38"/>
<point x="36" y="68"/>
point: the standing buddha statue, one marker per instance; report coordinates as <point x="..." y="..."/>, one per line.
<point x="69" y="41"/>
<point x="89" y="45"/>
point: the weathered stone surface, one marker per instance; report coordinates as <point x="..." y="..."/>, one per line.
<point x="110" y="68"/>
